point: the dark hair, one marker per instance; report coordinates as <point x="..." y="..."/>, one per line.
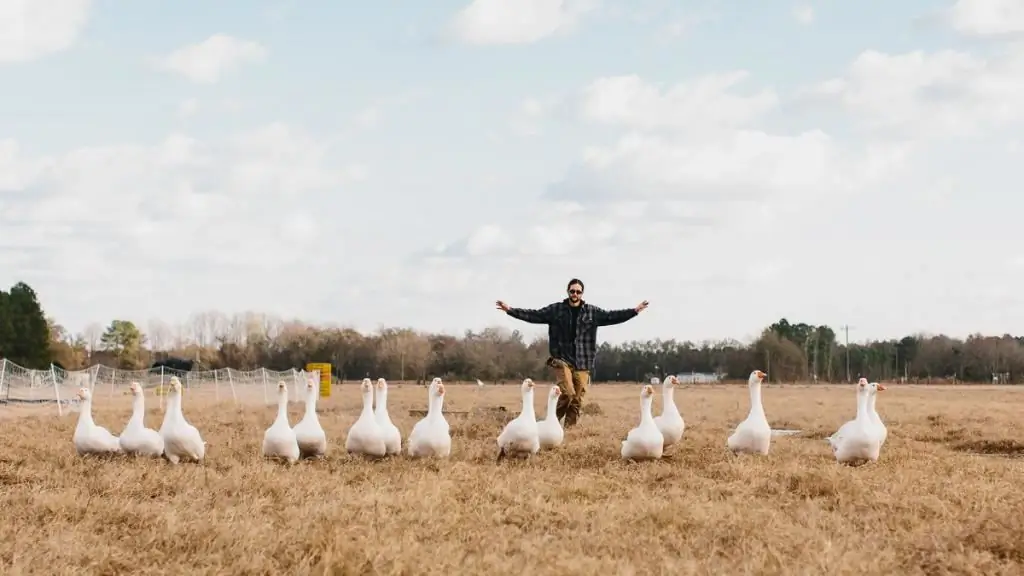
<point x="574" y="281"/>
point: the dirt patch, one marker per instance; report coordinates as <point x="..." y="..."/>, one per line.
<point x="1004" y="447"/>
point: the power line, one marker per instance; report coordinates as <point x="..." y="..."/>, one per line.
<point x="846" y="330"/>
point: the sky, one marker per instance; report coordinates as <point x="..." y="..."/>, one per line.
<point x="378" y="164"/>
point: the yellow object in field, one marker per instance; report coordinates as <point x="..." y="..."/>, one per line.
<point x="165" y="389"/>
<point x="325" y="376"/>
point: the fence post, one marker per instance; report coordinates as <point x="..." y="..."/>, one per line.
<point x="161" y="393"/>
<point x="56" y="390"/>
<point x="231" y="382"/>
<point x="3" y="373"/>
<point x="264" y="371"/>
<point x="216" y="386"/>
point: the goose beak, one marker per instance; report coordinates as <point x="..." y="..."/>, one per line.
<point x="881" y="388"/>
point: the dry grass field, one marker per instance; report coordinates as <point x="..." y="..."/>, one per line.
<point x="945" y="497"/>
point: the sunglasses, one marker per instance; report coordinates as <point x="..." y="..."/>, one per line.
<point x="574" y="291"/>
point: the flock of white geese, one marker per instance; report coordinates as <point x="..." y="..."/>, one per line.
<point x="374" y="434"/>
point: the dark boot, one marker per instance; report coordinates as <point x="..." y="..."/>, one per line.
<point x="572" y="414"/>
<point x="561" y="407"/>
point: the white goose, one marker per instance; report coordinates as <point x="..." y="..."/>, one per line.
<point x="855" y="442"/>
<point x="861" y="390"/>
<point x="753" y="435"/>
<point x="430" y="436"/>
<point x="520" y="437"/>
<point x="670" y="421"/>
<point x="645" y="442"/>
<point x="308" y="433"/>
<point x="877" y="425"/>
<point x="549" y="430"/>
<point x="89" y="438"/>
<point x="279" y="440"/>
<point x="181" y="439"/>
<point x="365" y="436"/>
<point x="392" y="436"/>
<point x="136" y="438"/>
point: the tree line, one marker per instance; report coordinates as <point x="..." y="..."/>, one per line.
<point x="788" y="351"/>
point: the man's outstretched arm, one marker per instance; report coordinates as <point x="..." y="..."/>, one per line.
<point x="611" y="317"/>
<point x="540" y="316"/>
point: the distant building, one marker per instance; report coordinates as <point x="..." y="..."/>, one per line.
<point x="699" y="378"/>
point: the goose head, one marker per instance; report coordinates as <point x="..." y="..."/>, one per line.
<point x="875" y="388"/>
<point x="310" y="385"/>
<point x="382" y="384"/>
<point x="438" y="387"/>
<point x="863" y="388"/>
<point x="672" y="381"/>
<point x="527" y="386"/>
<point x="366" y="386"/>
<point x="175" y="385"/>
<point x="282" y="388"/>
<point x="756" y="377"/>
<point x="135" y="389"/>
<point x="647" y="392"/>
<point x="84" y="393"/>
<point x="555" y="392"/>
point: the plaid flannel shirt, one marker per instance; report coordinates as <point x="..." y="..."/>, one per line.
<point x="576" y="345"/>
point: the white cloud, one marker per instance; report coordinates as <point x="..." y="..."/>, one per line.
<point x="804" y="14"/>
<point x="188" y="108"/>
<point x="921" y="94"/>
<point x="224" y="218"/>
<point x="691" y="200"/>
<point x="486" y="22"/>
<point x="986" y="17"/>
<point x="530" y="116"/>
<point x="206" y="62"/>
<point x="367" y="117"/>
<point x="706" y="102"/>
<point x="31" y="29"/>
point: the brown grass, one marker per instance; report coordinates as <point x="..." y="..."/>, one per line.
<point x="945" y="497"/>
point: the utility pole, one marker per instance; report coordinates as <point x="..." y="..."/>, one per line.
<point x="846" y="330"/>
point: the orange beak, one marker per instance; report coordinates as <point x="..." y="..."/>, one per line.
<point x="881" y="387"/>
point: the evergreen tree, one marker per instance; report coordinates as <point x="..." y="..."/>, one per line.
<point x="24" y="332"/>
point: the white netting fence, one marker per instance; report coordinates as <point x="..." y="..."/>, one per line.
<point x="20" y="385"/>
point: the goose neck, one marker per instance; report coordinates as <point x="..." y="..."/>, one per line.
<point x="175" y="402"/>
<point x="869" y="404"/>
<point x="669" y="394"/>
<point x="138" y="408"/>
<point x="368" y="403"/>
<point x="528" y="404"/>
<point x="382" y="401"/>
<point x="552" y="407"/>
<point x="645" y="410"/>
<point x="434" y="408"/>
<point x="282" y="404"/>
<point x="756" y="407"/>
<point x="85" y="412"/>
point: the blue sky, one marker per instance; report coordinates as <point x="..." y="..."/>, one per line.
<point x="374" y="164"/>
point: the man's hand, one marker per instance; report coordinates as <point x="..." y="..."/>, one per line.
<point x="639" y="307"/>
<point x="502" y="306"/>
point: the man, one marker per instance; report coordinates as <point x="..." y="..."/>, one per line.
<point x="572" y="342"/>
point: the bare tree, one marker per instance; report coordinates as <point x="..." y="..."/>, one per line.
<point x="92" y="334"/>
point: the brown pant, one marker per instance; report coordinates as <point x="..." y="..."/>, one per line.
<point x="573" y="385"/>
